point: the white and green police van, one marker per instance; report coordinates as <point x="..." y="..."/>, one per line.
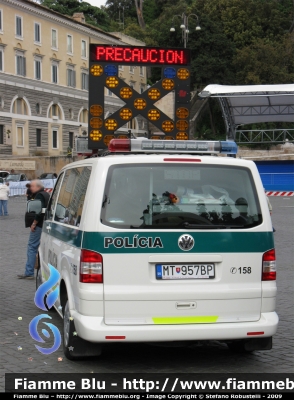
<point x="161" y="241"/>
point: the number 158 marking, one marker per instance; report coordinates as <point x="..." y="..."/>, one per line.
<point x="244" y="270"/>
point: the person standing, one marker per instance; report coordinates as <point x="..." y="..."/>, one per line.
<point x="4" y="194"/>
<point x="29" y="193"/>
<point x="38" y="193"/>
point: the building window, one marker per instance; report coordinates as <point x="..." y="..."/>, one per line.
<point x="54" y="73"/>
<point x="71" y="113"/>
<point x="84" y="48"/>
<point x="54" y="43"/>
<point x="70" y="139"/>
<point x="1" y="60"/>
<point x="69" y="44"/>
<point x="71" y="77"/>
<point x="20" y="136"/>
<point x="37" y="68"/>
<point x="20" y="107"/>
<point x="142" y="88"/>
<point x="38" y="108"/>
<point x="83" y="116"/>
<point x="37" y="33"/>
<point x="55" y="111"/>
<point x="55" y="139"/>
<point x="39" y="137"/>
<point x="20" y="65"/>
<point x="121" y="67"/>
<point x="141" y="71"/>
<point x="18" y="26"/>
<point x="85" y="81"/>
<point x="132" y="69"/>
<point x="132" y="85"/>
<point x="1" y="134"/>
<point x="1" y="20"/>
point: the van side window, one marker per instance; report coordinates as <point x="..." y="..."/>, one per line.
<point x="72" y="194"/>
<point x="52" y="202"/>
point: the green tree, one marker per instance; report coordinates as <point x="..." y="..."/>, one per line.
<point x="123" y="8"/>
<point x="93" y="15"/>
<point x="245" y="21"/>
<point x="265" y="62"/>
<point x="147" y="36"/>
<point x="210" y="124"/>
<point x="139" y="10"/>
<point x="212" y="52"/>
<point x="150" y="11"/>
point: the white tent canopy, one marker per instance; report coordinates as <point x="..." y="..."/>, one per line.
<point x="250" y="104"/>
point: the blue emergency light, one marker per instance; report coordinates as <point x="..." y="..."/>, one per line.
<point x="110" y="70"/>
<point x="169" y="72"/>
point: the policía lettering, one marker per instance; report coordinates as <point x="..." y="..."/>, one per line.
<point x="133" y="243"/>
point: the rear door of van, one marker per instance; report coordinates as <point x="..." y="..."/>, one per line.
<point x="182" y="242"/>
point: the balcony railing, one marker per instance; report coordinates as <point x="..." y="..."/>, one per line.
<point x="274" y="136"/>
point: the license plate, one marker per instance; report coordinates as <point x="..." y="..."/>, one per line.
<point x="187" y="271"/>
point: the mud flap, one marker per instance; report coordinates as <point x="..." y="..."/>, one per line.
<point x="258" y="344"/>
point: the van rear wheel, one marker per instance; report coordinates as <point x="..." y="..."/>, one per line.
<point x="75" y="347"/>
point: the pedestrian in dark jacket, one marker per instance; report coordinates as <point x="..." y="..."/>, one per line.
<point x="38" y="193"/>
<point x="29" y="193"/>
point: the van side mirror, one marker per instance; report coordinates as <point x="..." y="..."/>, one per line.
<point x="34" y="206"/>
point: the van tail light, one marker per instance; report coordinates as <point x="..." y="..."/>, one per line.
<point x="269" y="266"/>
<point x="91" y="267"/>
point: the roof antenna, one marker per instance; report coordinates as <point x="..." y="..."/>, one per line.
<point x="131" y="135"/>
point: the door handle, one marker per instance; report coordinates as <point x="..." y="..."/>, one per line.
<point x="185" y="305"/>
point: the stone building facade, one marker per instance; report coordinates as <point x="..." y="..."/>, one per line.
<point x="44" y="79"/>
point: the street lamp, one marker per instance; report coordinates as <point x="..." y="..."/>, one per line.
<point x="185" y="26"/>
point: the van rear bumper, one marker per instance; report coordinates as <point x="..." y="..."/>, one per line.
<point x="94" y="329"/>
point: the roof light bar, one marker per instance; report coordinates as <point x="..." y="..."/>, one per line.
<point x="142" y="145"/>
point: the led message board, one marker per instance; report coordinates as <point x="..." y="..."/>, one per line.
<point x="104" y="72"/>
<point x="140" y="55"/>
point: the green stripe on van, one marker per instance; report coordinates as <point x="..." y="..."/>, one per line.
<point x="185" y="320"/>
<point x="68" y="234"/>
<point x="167" y="242"/>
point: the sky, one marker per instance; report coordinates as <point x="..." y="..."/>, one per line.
<point x="96" y="3"/>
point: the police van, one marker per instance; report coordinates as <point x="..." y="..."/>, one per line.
<point x="161" y="241"/>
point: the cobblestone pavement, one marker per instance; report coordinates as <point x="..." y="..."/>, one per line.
<point x="17" y="300"/>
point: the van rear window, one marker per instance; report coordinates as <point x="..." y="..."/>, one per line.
<point x="160" y="196"/>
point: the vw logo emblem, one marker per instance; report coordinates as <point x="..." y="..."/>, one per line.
<point x="186" y="242"/>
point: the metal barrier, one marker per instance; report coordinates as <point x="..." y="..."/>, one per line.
<point x="277" y="175"/>
<point x="22" y="192"/>
<point x="265" y="136"/>
<point x="20" y="189"/>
